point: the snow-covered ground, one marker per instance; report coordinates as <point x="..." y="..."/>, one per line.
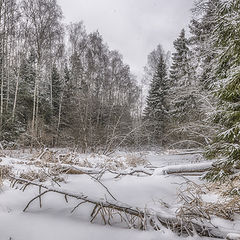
<point x="55" y="220"/>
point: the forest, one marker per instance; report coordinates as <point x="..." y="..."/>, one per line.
<point x="71" y="109"/>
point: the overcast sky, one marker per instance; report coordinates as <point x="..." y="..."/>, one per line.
<point x="134" y="27"/>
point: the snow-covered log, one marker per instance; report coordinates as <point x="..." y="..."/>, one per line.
<point x="171" y="169"/>
<point x="190" y="168"/>
<point x="233" y="236"/>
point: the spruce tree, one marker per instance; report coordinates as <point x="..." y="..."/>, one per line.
<point x="26" y="89"/>
<point x="157" y="108"/>
<point x="202" y="27"/>
<point x="180" y="68"/>
<point x="182" y="81"/>
<point x="68" y="104"/>
<point x="56" y="90"/>
<point x="226" y="145"/>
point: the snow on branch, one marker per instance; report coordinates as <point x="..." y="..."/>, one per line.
<point x="134" y="217"/>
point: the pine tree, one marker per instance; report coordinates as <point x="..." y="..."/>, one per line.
<point x="182" y="81"/>
<point x="67" y="101"/>
<point x="26" y="88"/>
<point x="180" y="68"/>
<point x="227" y="143"/>
<point x="201" y="28"/>
<point x="56" y="89"/>
<point x="157" y="108"/>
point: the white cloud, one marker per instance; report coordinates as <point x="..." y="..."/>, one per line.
<point x="134" y="27"/>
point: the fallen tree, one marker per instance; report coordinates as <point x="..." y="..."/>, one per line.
<point x="172" y="169"/>
<point x="184" y="169"/>
<point x="134" y="217"/>
<point x="195" y="168"/>
<point x="50" y="159"/>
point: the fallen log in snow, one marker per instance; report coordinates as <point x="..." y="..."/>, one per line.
<point x="233" y="236"/>
<point x="172" y="169"/>
<point x="189" y="152"/>
<point x="186" y="169"/>
<point x="190" y="168"/>
<point x="70" y="169"/>
<point x="134" y="217"/>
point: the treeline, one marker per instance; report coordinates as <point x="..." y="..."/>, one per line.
<point x="61" y="86"/>
<point x="197" y="102"/>
<point x="180" y="102"/>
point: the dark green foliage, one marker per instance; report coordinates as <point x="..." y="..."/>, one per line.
<point x="180" y="68"/>
<point x="56" y="90"/>
<point x="182" y="77"/>
<point x="157" y="107"/>
<point x="26" y="89"/>
<point x="202" y="27"/>
<point x="227" y="142"/>
<point x="68" y="99"/>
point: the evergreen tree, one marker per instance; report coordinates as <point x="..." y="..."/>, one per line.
<point x="157" y="108"/>
<point x="180" y="68"/>
<point x="202" y="28"/>
<point x="56" y="90"/>
<point x="227" y="142"/>
<point x="182" y="79"/>
<point x="67" y="101"/>
<point x="26" y="89"/>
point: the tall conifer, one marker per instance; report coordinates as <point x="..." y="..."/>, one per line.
<point x="157" y="108"/>
<point x="227" y="142"/>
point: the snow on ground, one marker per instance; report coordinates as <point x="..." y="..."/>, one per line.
<point x="55" y="221"/>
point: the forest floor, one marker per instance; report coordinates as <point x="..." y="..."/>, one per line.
<point x="147" y="188"/>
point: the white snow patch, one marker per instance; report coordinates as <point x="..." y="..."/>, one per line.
<point x="54" y="220"/>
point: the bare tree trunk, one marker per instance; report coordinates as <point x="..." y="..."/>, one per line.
<point x="8" y="56"/>
<point x="34" y="106"/>
<point x="16" y="94"/>
<point x="37" y="110"/>
<point x="1" y="108"/>
<point x="2" y="64"/>
<point x="59" y="116"/>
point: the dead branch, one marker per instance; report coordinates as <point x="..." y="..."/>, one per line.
<point x="133" y="216"/>
<point x="133" y="172"/>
